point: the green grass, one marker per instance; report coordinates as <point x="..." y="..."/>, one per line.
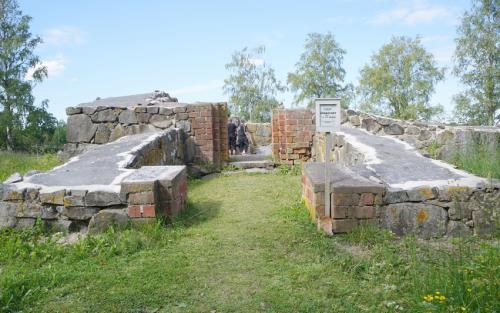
<point x="479" y="160"/>
<point x="245" y="244"/>
<point x="11" y="162"/>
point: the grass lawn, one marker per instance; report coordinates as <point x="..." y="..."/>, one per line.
<point x="245" y="244"/>
<point x="11" y="162"/>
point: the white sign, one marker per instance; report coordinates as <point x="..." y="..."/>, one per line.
<point x="327" y="115"/>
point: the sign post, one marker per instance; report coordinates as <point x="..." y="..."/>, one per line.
<point x="328" y="122"/>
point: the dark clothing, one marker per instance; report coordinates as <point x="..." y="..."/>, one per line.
<point x="231" y="135"/>
<point x="242" y="140"/>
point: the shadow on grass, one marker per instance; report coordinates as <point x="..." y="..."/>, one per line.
<point x="198" y="212"/>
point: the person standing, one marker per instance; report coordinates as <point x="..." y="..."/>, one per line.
<point x="231" y="135"/>
<point x="242" y="139"/>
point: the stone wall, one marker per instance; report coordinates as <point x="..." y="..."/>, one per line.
<point x="292" y="135"/>
<point x="436" y="140"/>
<point x="148" y="192"/>
<point x="260" y="133"/>
<point x="425" y="211"/>
<point x="439" y="140"/>
<point x="203" y="126"/>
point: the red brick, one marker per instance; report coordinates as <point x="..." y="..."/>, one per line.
<point x="145" y="210"/>
<point x="367" y="199"/>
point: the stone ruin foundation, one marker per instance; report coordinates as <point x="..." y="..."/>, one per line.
<point x="127" y="162"/>
<point x="382" y="174"/>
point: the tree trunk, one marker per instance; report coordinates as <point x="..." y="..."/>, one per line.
<point x="8" y="141"/>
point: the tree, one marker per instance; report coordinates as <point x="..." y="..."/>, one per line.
<point x="476" y="63"/>
<point x="252" y="85"/>
<point x="400" y="80"/>
<point x="319" y="72"/>
<point x="16" y="60"/>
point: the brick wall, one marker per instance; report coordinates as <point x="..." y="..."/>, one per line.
<point x="209" y="129"/>
<point x="292" y="135"/>
<point x="353" y="200"/>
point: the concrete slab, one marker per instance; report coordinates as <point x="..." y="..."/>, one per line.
<point x="400" y="166"/>
<point x="342" y="179"/>
<point x="125" y="101"/>
<point x="102" y="168"/>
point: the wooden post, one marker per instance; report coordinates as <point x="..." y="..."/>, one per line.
<point x="328" y="140"/>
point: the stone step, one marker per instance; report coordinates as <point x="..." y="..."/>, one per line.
<point x="248" y="157"/>
<point x="267" y="164"/>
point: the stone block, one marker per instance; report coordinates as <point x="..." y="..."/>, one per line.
<point x="50" y="212"/>
<point x="102" y="134"/>
<point x="165" y="111"/>
<point x="393" y="129"/>
<point x="143" y="117"/>
<point x="397" y="196"/>
<point x="458" y="229"/>
<point x="181" y="116"/>
<point x="344" y="226"/>
<point x="343" y="199"/>
<point x="421" y="194"/>
<point x="459" y="211"/>
<point x="145" y="197"/>
<point x="424" y="135"/>
<point x="8" y="209"/>
<point x="367" y="199"/>
<point x="89" y="110"/>
<point x="364" y="212"/>
<point x="484" y="222"/>
<point x="144" y="210"/>
<point x="117" y="132"/>
<point x="80" y="128"/>
<point x="73" y="110"/>
<point x="76" y="198"/>
<point x="412" y="131"/>
<point x="31" y="194"/>
<point x="424" y="220"/>
<point x="152" y="110"/>
<point x="454" y="193"/>
<point x="161" y="121"/>
<point x="79" y="212"/>
<point x="13" y="194"/>
<point x="106" y="218"/>
<point x="370" y="124"/>
<point x="340" y="212"/>
<point x="106" y="115"/>
<point x="127" y="117"/>
<point x="102" y="199"/>
<point x="355" y="121"/>
<point x="56" y="197"/>
<point x="26" y="222"/>
<point x="29" y="209"/>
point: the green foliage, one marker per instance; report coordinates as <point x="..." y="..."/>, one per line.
<point x="246" y="244"/>
<point x="23" y="125"/>
<point x="434" y="149"/>
<point x="293" y="170"/>
<point x="12" y="162"/>
<point x="400" y="80"/>
<point x="252" y="85"/>
<point x="480" y="159"/>
<point x="476" y="63"/>
<point x="319" y="72"/>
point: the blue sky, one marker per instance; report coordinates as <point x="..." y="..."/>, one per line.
<point x="112" y="48"/>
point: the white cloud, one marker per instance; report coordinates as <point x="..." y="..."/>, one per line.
<point x="55" y="66"/>
<point x="64" y="35"/>
<point x="211" y="85"/>
<point x="415" y="12"/>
